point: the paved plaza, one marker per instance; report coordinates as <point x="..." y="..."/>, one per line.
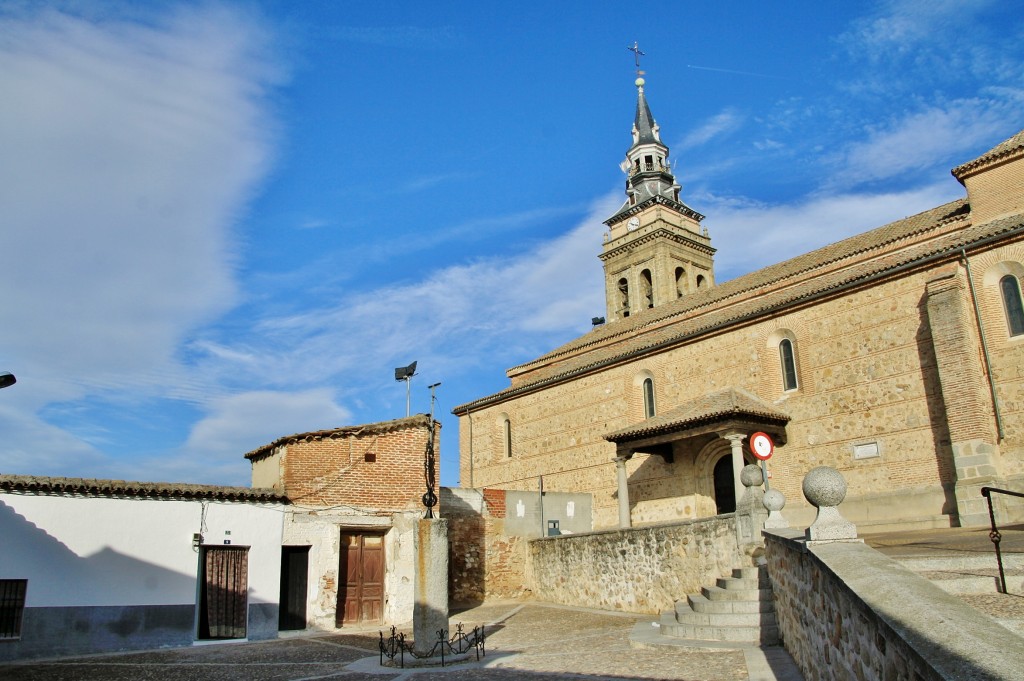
<point x="524" y="641"/>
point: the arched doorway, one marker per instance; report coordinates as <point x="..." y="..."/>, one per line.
<point x="725" y="485"/>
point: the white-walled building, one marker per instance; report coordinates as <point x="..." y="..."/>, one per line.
<point x="92" y="566"/>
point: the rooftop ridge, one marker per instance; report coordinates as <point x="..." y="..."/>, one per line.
<point x="364" y="429"/>
<point x="748" y="283"/>
<point x="35" y="484"/>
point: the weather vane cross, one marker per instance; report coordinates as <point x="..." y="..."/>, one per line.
<point x="637" y="53"/>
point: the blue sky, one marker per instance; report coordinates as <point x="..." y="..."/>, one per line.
<point x="222" y="223"/>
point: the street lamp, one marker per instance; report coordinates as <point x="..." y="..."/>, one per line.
<point x="7" y="379"/>
<point x="404" y="374"/>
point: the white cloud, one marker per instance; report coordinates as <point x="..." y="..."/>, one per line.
<point x="921" y="139"/>
<point x="715" y="126"/>
<point x="242" y="422"/>
<point x="757" y="235"/>
<point x="130" y="149"/>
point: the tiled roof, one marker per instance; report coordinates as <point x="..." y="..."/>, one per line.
<point x="718" y="406"/>
<point x="914" y="241"/>
<point x="1013" y="145"/>
<point x="414" y="421"/>
<point x="123" y="488"/>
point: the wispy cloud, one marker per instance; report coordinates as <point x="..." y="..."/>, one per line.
<point x="721" y="123"/>
<point x="923" y="139"/>
<point x="129" y="151"/>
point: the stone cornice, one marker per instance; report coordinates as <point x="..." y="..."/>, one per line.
<point x="657" y="233"/>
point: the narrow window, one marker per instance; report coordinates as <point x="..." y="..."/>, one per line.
<point x="624" y="297"/>
<point x="1010" y="289"/>
<point x="700" y="281"/>
<point x="648" y="397"/>
<point x="506" y="427"/>
<point x="680" y="282"/>
<point x="648" y="288"/>
<point x="12" y="605"/>
<point x="788" y="365"/>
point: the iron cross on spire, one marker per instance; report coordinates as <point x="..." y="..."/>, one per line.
<point x="637" y="53"/>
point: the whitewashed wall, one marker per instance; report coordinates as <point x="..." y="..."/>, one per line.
<point x="123" y="559"/>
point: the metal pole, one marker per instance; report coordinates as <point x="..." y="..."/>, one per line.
<point x="408" y="394"/>
<point x="543" y="528"/>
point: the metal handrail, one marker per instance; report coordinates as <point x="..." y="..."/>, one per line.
<point x="994" y="534"/>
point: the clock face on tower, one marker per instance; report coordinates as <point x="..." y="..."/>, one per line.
<point x="633" y="223"/>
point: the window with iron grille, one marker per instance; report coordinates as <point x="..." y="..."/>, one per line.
<point x="12" y="605"/>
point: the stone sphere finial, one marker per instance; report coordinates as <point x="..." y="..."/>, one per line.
<point x="751" y="475"/>
<point x="824" y="486"/>
<point x="774" y="500"/>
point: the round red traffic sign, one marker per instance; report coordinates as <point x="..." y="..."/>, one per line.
<point x="761" y="446"/>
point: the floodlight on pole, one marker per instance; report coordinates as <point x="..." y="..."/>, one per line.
<point x="7" y="379"/>
<point x="404" y="374"/>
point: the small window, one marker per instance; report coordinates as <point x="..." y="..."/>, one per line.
<point x="701" y="281"/>
<point x="1010" y="288"/>
<point x="12" y="605"/>
<point x="648" y="397"/>
<point x="506" y="427"/>
<point x="788" y="364"/>
<point x="680" y="282"/>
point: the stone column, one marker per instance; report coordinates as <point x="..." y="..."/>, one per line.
<point x="430" y="610"/>
<point x="620" y="468"/>
<point x="736" y="444"/>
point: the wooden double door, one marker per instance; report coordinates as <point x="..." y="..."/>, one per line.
<point x="361" y="572"/>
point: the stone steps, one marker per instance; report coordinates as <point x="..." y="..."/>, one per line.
<point x="738" y="609"/>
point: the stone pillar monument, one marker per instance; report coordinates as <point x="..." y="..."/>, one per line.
<point x="430" y="610"/>
<point x="750" y="510"/>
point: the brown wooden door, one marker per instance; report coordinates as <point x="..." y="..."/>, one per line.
<point x="361" y="593"/>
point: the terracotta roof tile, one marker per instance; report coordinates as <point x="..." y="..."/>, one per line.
<point x="728" y="403"/>
<point x="1013" y="145"/>
<point x="125" y="488"/>
<point x="414" y="421"/>
<point x="937" y="233"/>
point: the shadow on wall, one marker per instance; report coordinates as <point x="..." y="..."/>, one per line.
<point x="60" y="577"/>
<point x="937" y="419"/>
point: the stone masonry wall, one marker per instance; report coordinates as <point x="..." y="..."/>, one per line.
<point x="643" y="570"/>
<point x="868" y="381"/>
<point x="484" y="562"/>
<point x="849" y="613"/>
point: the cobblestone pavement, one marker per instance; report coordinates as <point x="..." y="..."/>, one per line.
<point x="525" y="641"/>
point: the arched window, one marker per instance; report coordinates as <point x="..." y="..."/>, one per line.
<point x="788" y="364"/>
<point x="1010" y="289"/>
<point x="648" y="288"/>
<point x="648" y="397"/>
<point x="701" y="281"/>
<point x="506" y="432"/>
<point x="624" y="296"/>
<point x="680" y="282"/>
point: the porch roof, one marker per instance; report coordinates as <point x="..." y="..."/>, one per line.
<point x="730" y="408"/>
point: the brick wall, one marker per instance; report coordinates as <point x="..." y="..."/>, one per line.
<point x="379" y="468"/>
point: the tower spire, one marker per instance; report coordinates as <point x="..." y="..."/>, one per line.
<point x="655" y="250"/>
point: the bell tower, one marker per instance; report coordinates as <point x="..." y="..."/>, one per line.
<point x="655" y="250"/>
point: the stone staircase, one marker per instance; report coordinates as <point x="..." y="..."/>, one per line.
<point x="974" y="578"/>
<point x="738" y="610"/>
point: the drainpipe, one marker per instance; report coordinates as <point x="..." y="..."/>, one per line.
<point x="984" y="346"/>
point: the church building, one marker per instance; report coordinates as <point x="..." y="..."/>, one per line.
<point x="894" y="356"/>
